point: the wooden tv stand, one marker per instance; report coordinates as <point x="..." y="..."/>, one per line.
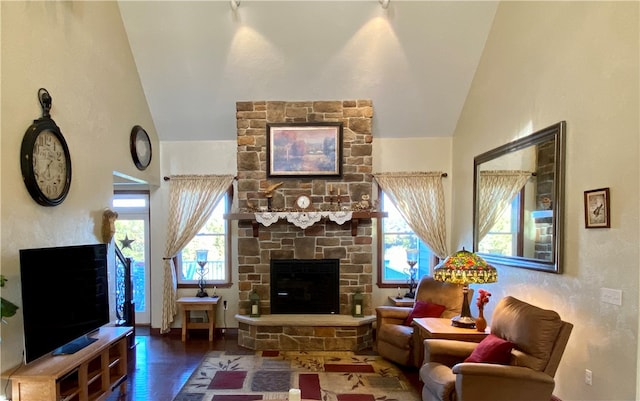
<point x="90" y="374"/>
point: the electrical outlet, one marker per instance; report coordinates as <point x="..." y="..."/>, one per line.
<point x="611" y="296"/>
<point x="224" y="304"/>
<point x="588" y="377"/>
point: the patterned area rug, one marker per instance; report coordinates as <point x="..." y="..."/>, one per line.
<point x="320" y="375"/>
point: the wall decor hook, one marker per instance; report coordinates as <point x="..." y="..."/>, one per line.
<point x="45" y="101"/>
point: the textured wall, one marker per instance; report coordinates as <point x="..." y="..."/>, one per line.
<point x="79" y="52"/>
<point x="576" y="61"/>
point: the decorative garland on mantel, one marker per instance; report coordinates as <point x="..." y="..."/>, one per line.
<point x="303" y="219"/>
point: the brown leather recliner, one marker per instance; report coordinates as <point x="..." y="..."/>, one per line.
<point x="397" y="342"/>
<point x="539" y="337"/>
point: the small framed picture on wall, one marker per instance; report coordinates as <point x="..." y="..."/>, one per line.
<point x="597" y="209"/>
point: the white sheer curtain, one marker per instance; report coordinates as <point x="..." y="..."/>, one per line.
<point x="496" y="191"/>
<point x="419" y="197"/>
<point x="192" y="199"/>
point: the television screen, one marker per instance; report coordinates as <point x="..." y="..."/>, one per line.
<point x="64" y="297"/>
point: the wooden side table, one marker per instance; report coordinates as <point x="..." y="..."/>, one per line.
<point x="441" y="328"/>
<point x="208" y="304"/>
<point x="429" y="327"/>
<point x="404" y="301"/>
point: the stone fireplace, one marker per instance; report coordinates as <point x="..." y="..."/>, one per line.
<point x="323" y="240"/>
<point x="258" y="245"/>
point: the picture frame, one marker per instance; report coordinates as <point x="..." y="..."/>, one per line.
<point x="304" y="149"/>
<point x="597" y="208"/>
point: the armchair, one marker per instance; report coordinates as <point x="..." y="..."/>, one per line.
<point x="396" y="341"/>
<point x="539" y="338"/>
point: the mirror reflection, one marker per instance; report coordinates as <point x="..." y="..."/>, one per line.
<point x="518" y="191"/>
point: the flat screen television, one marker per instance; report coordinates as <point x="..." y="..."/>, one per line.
<point x="65" y="297"/>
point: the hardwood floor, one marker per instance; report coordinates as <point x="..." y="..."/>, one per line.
<point x="164" y="363"/>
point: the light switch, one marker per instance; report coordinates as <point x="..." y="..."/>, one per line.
<point x="611" y="296"/>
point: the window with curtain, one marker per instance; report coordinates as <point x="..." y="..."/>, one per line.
<point x="214" y="237"/>
<point x="505" y="237"/>
<point x="394" y="238"/>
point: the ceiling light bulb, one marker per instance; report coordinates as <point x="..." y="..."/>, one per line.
<point x="384" y="3"/>
<point x="235" y="4"/>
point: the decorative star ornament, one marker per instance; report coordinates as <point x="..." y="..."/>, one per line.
<point x="126" y="242"/>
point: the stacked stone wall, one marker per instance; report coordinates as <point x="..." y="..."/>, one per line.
<point x="325" y="239"/>
<point x="545" y="178"/>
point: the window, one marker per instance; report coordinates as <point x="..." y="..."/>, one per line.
<point x="215" y="239"/>
<point x="394" y="238"/>
<point x="505" y="237"/>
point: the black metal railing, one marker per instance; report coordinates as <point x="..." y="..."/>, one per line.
<point x="125" y="307"/>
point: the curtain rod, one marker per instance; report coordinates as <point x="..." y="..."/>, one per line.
<point x="166" y="178"/>
<point x="409" y="173"/>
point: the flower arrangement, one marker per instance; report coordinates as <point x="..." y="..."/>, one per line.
<point x="483" y="298"/>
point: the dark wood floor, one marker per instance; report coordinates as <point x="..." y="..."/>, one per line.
<point x="164" y="363"/>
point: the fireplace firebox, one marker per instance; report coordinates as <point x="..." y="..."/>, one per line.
<point x="305" y="286"/>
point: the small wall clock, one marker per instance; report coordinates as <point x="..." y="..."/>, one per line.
<point x="140" y="147"/>
<point x="303" y="202"/>
<point x="45" y="160"/>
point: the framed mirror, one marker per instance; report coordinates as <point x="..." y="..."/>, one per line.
<point x="518" y="192"/>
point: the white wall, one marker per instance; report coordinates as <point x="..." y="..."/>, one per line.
<point x="574" y="61"/>
<point x="77" y="51"/>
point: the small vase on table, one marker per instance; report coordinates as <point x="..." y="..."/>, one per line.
<point x="481" y="322"/>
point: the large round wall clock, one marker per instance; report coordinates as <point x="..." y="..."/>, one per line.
<point x="44" y="158"/>
<point x="140" y="147"/>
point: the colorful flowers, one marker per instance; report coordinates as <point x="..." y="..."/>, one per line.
<point x="483" y="298"/>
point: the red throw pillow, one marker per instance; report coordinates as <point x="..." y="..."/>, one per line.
<point x="492" y="349"/>
<point x="424" y="309"/>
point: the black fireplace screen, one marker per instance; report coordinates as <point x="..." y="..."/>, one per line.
<point x="305" y="286"/>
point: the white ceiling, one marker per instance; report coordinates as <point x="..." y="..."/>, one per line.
<point x="415" y="60"/>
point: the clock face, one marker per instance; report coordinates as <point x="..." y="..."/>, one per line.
<point x="303" y="202"/>
<point x="45" y="163"/>
<point x="49" y="164"/>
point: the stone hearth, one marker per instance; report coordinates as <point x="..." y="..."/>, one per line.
<point x="306" y="332"/>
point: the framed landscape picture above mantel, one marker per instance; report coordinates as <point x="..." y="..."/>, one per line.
<point x="304" y="149"/>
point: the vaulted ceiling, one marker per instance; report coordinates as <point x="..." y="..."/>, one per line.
<point x="415" y="60"/>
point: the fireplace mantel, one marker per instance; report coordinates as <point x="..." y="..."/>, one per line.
<point x="356" y="217"/>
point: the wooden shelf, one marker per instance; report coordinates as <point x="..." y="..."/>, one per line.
<point x="90" y="374"/>
<point x="355" y="219"/>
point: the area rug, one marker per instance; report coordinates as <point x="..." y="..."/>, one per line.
<point x="320" y="375"/>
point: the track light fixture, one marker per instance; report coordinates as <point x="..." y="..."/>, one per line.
<point x="384" y="3"/>
<point x="235" y="4"/>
